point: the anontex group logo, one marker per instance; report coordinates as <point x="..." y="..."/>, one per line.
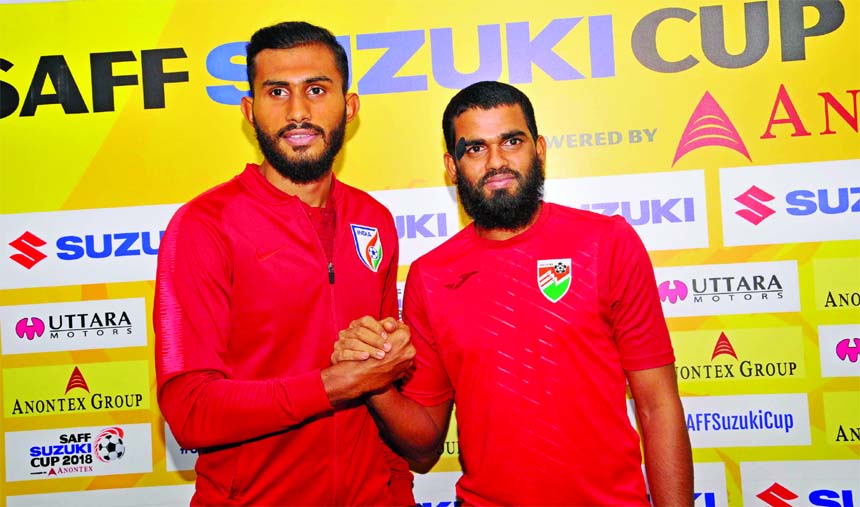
<point x="744" y="361"/>
<point x="717" y="289"/>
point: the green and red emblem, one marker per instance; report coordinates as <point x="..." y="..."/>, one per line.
<point x="553" y="278"/>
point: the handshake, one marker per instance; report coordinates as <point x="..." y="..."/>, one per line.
<point x="369" y="356"/>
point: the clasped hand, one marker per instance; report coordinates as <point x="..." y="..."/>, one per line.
<point x="382" y="348"/>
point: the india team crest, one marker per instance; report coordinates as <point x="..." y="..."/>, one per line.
<point x="553" y="278"/>
<point x="368" y="246"/>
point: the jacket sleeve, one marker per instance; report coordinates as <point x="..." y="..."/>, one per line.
<point x="203" y="405"/>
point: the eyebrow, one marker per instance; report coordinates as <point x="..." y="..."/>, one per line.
<point x="504" y="136"/>
<point x="309" y="80"/>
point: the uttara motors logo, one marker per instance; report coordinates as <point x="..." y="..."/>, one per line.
<point x="98" y="387"/>
<point x="75" y="453"/>
<point x="725" y="364"/>
<point x="723" y="288"/>
<point x="848" y="350"/>
<point x="718" y="289"/>
<point x="78" y="325"/>
<point x="777" y="495"/>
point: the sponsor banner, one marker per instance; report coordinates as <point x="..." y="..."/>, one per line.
<point x="797" y="483"/>
<point x="668" y="210"/>
<point x="725" y="289"/>
<point x="78" y="452"/>
<point x="837" y="283"/>
<point x="425" y="218"/>
<point x="747" y="421"/>
<point x="75" y="389"/>
<point x="178" y="458"/>
<point x="839" y="347"/>
<point x="842" y="417"/>
<point x="79" y="325"/>
<point x="436" y="489"/>
<point x="714" y="356"/>
<point x="81" y="247"/>
<point x="791" y="203"/>
<point x="119" y="497"/>
<point x="709" y="487"/>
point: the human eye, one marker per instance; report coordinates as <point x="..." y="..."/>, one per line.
<point x="514" y="141"/>
<point x="475" y="149"/>
<point x="316" y="90"/>
<point x="278" y="92"/>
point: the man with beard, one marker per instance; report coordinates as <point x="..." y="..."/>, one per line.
<point x="255" y="279"/>
<point x="531" y="320"/>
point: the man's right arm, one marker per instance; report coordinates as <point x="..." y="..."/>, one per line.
<point x="415" y="430"/>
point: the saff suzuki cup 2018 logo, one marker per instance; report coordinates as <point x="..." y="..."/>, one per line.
<point x="553" y="278"/>
<point x="368" y="246"/>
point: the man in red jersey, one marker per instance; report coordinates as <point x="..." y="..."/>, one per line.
<point x="531" y="320"/>
<point x="255" y="279"/>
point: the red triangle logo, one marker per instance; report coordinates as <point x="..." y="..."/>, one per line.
<point x="709" y="126"/>
<point x="77" y="381"/>
<point x="723" y="347"/>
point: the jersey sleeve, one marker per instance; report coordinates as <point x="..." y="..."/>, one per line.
<point x="200" y="401"/>
<point x="429" y="384"/>
<point x="400" y="484"/>
<point x="638" y="325"/>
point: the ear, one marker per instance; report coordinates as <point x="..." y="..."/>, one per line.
<point x="352" y="106"/>
<point x="247" y="106"/>
<point x="540" y="147"/>
<point x="450" y="167"/>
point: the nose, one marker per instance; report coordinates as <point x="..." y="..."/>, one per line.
<point x="297" y="109"/>
<point x="496" y="158"/>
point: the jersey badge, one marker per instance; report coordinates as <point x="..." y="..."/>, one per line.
<point x="553" y="278"/>
<point x="368" y="246"/>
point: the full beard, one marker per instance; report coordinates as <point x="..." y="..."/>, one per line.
<point x="301" y="169"/>
<point x="503" y="210"/>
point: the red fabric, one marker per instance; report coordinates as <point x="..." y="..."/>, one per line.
<point x="323" y="220"/>
<point x="539" y="387"/>
<point x="245" y="320"/>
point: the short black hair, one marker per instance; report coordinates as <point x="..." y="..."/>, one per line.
<point x="290" y="34"/>
<point x="485" y="95"/>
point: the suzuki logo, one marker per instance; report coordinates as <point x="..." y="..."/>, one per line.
<point x="26" y="244"/>
<point x="753" y="198"/>
<point x="776" y="495"/>
<point x="673" y="291"/>
<point x="844" y="349"/>
<point x="709" y="126"/>
<point x="30" y="327"/>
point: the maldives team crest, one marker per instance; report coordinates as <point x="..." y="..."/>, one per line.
<point x="553" y="278"/>
<point x="368" y="246"/>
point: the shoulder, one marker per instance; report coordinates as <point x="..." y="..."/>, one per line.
<point x="359" y="203"/>
<point x="206" y="209"/>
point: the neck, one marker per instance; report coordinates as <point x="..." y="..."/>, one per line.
<point x="314" y="193"/>
<point x="503" y="234"/>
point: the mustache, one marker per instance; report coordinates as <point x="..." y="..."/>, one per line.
<point x="303" y="126"/>
<point x="496" y="172"/>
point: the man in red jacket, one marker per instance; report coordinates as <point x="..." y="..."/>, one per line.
<point x="255" y="279"/>
<point x="532" y="320"/>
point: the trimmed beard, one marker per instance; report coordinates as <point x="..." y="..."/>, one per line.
<point x="302" y="169"/>
<point x="503" y="210"/>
